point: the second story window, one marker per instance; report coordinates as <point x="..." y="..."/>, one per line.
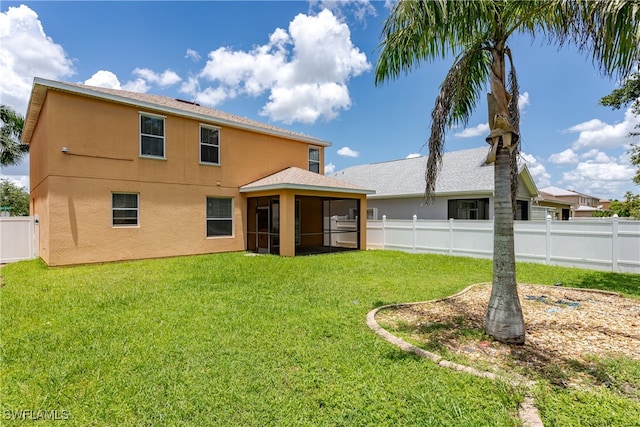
<point x="209" y="145"/>
<point x="314" y="159"/>
<point x="151" y="136"/>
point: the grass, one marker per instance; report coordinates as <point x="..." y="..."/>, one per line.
<point x="228" y="339"/>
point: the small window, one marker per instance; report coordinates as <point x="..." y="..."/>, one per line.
<point x="314" y="159"/>
<point x="151" y="136"/>
<point x="219" y="217"/>
<point x="209" y="145"/>
<point x="124" y="209"/>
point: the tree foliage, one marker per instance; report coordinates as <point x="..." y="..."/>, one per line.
<point x="628" y="93"/>
<point x="14" y="199"/>
<point x="11" y="149"/>
<point x="627" y="208"/>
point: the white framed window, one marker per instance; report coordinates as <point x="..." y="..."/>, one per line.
<point x="209" y="145"/>
<point x="314" y="159"/>
<point x="219" y="216"/>
<point x="124" y="209"/>
<point x="152" y="136"/>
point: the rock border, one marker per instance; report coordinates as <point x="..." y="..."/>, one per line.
<point x="527" y="412"/>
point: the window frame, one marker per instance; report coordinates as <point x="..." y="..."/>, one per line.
<point x="207" y="218"/>
<point x="318" y="149"/>
<point x="163" y="137"/>
<point x="201" y="144"/>
<point x="136" y="209"/>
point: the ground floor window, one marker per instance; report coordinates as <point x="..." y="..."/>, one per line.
<point x="522" y="210"/>
<point x="219" y="216"/>
<point x="124" y="209"/>
<point x="468" y="209"/>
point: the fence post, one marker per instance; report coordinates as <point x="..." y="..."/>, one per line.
<point x="450" y="236"/>
<point x="415" y="218"/>
<point x="384" y="232"/>
<point x="547" y="248"/>
<point x="615" y="243"/>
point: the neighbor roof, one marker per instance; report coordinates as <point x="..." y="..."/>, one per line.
<point x="155" y="102"/>
<point x="300" y="179"/>
<point x="555" y="191"/>
<point x="463" y="172"/>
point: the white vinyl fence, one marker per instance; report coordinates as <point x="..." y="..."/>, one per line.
<point x="608" y="244"/>
<point x="19" y="236"/>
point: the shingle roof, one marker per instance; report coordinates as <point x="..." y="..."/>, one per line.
<point x="555" y="191"/>
<point x="157" y="102"/>
<point x="463" y="171"/>
<point x="296" y="178"/>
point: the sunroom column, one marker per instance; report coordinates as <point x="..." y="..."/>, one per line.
<point x="287" y="223"/>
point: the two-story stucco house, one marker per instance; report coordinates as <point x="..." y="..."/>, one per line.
<point x="117" y="175"/>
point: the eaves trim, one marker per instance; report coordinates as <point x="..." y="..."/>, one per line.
<point x="176" y="111"/>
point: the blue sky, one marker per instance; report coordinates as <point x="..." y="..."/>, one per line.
<point x="308" y="67"/>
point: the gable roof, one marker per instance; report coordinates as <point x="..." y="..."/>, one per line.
<point x="300" y="179"/>
<point x="154" y="102"/>
<point x="463" y="172"/>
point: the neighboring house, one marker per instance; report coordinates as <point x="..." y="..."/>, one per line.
<point x="545" y="204"/>
<point x="464" y="189"/>
<point x="118" y="175"/>
<point x="580" y="205"/>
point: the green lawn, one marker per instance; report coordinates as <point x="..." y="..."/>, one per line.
<point x="230" y="339"/>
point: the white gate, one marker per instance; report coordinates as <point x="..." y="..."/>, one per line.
<point x="19" y="236"/>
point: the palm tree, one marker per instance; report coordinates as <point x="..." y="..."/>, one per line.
<point x="11" y="150"/>
<point x="477" y="32"/>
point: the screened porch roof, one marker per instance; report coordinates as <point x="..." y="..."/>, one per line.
<point x="300" y="179"/>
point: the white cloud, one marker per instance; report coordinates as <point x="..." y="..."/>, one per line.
<point x="347" y="152"/>
<point x="19" y="180"/>
<point x="597" y="156"/>
<point x="164" y="79"/>
<point x="330" y="168"/>
<point x="413" y="155"/>
<point x="305" y="70"/>
<point x="25" y="52"/>
<point x="142" y="83"/>
<point x="481" y="129"/>
<point x="193" y="55"/>
<point x="104" y="78"/>
<point x="523" y="101"/>
<point x="211" y="96"/>
<point x="108" y="79"/>
<point x="190" y="86"/>
<point x="595" y="133"/>
<point x="358" y="8"/>
<point x="567" y="156"/>
<point x="138" y="85"/>
<point x="605" y="180"/>
<point x="538" y="171"/>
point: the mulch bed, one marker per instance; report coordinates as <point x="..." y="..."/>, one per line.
<point x="564" y="327"/>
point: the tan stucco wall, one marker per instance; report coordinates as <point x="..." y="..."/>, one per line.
<point x="72" y="192"/>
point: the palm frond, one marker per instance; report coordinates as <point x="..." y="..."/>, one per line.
<point x="423" y="30"/>
<point x="458" y="97"/>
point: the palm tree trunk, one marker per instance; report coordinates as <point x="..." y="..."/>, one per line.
<point x="504" y="320"/>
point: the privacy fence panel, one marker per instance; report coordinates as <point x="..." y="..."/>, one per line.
<point x="18" y="238"/>
<point x="603" y="244"/>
